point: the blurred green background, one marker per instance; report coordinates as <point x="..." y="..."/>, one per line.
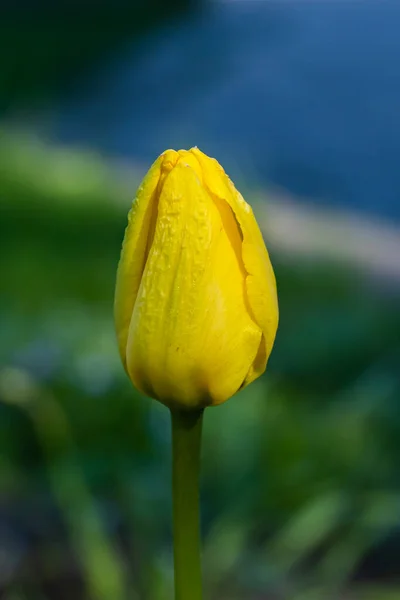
<point x="301" y="478"/>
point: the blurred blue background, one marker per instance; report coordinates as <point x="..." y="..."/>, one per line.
<point x="301" y="481"/>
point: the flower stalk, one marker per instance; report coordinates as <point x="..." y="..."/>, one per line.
<point x="186" y="446"/>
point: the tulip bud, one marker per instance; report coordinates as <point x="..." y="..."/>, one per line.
<point x="196" y="307"/>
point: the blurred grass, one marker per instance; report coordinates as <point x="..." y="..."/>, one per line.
<point x="300" y="479"/>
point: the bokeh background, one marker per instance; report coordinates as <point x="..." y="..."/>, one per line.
<point x="300" y="101"/>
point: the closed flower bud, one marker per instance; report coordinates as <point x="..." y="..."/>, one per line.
<point x="196" y="308"/>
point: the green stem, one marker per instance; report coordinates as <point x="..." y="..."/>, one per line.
<point x="186" y="443"/>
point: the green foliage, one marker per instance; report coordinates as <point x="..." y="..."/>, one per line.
<point x="300" y="477"/>
<point x="46" y="47"/>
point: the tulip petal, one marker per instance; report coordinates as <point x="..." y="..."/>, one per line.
<point x="191" y="338"/>
<point x="260" y="280"/>
<point x="141" y="219"/>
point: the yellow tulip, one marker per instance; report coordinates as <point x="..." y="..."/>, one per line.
<point x="196" y="307"/>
